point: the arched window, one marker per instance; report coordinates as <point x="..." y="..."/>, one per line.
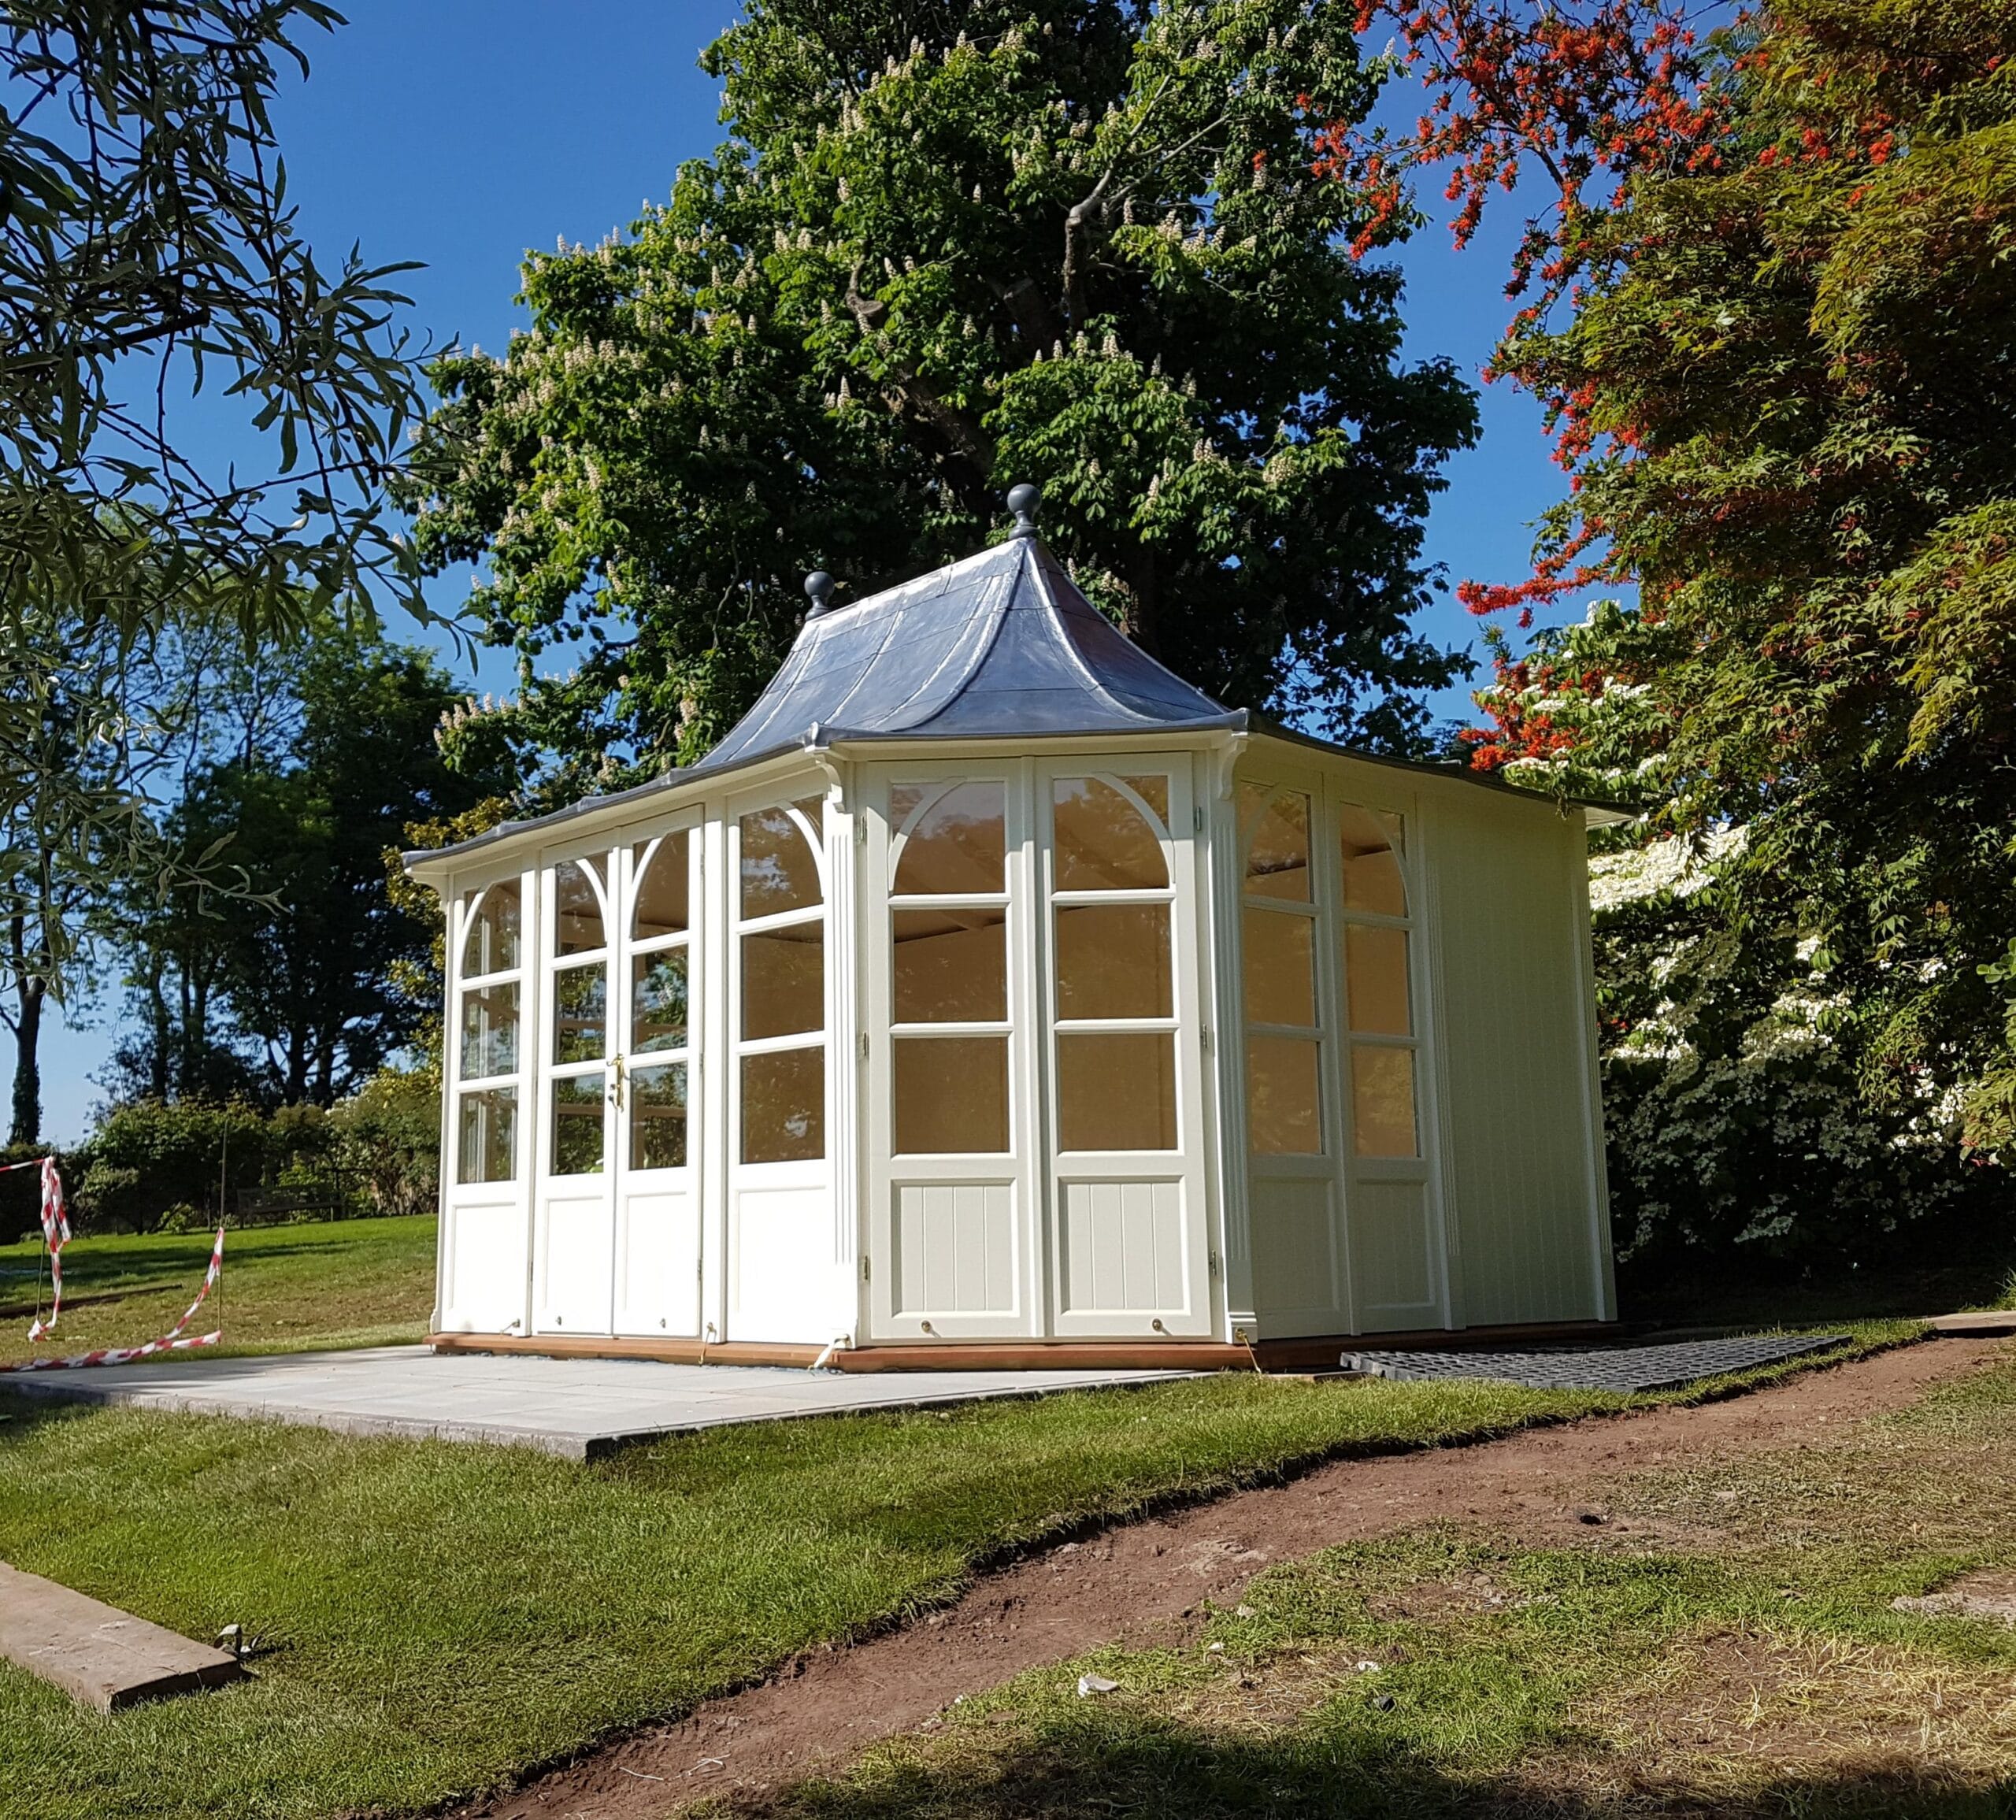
<point x="949" y="968"/>
<point x="1114" y="983"/>
<point x="1378" y="992"/>
<point x="661" y="1011"/>
<point x="1277" y="929"/>
<point x="487" y="1034"/>
<point x="781" y="934"/>
<point x="578" y="1050"/>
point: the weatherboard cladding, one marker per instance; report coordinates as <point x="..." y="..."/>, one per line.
<point x="1003" y="643"/>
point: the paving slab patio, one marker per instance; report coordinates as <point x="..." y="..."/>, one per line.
<point x="578" y="1408"/>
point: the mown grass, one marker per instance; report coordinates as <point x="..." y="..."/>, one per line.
<point x="1726" y="1645"/>
<point x="439" y="1617"/>
<point x="338" y="1283"/>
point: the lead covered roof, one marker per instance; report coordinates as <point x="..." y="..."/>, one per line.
<point x="1001" y="643"/>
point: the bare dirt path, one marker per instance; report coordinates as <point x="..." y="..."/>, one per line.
<point x="1139" y="1583"/>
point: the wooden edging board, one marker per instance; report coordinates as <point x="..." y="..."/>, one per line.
<point x="96" y="1653"/>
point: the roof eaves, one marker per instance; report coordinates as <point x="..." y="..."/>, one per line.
<point x="1601" y="814"/>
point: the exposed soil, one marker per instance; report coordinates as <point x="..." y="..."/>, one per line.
<point x="1142" y="1583"/>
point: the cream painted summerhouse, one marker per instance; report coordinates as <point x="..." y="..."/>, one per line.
<point x="991" y="994"/>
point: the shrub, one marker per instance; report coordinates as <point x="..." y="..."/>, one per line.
<point x="389" y="1136"/>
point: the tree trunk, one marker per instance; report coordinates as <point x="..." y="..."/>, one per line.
<point x="27" y="1127"/>
<point x="160" y="1063"/>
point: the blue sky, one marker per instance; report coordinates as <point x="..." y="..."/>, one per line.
<point x="461" y="132"/>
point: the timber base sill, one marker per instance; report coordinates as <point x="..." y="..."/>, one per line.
<point x="1317" y="1353"/>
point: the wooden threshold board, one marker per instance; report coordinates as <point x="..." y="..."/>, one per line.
<point x="96" y="1653"/>
<point x="1319" y="1352"/>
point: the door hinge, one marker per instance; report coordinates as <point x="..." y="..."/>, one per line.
<point x="864" y="1045"/>
<point x="864" y="1267"/>
<point x="1215" y="1264"/>
<point x="860" y="831"/>
<point x="1204" y="1037"/>
<point x="699" y="1270"/>
<point x="1197" y="819"/>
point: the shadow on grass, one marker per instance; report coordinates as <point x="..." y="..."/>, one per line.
<point x="21" y="1417"/>
<point x="1162" y="1770"/>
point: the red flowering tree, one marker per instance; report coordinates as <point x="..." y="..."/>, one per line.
<point x="1768" y="308"/>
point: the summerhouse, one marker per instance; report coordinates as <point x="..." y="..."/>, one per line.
<point x="990" y="994"/>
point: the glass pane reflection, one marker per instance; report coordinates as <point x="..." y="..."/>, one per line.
<point x="658" y="1001"/>
<point x="657" y="1117"/>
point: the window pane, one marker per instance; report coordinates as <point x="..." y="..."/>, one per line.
<point x="959" y="846"/>
<point x="1376" y="980"/>
<point x="1116" y="1092"/>
<point x="489" y="1031"/>
<point x="951" y="966"/>
<point x="487" y="1145"/>
<point x="660" y="909"/>
<point x="580" y="1014"/>
<point x="577" y="909"/>
<point x="783" y="1107"/>
<point x="1112" y="961"/>
<point x="577" y="1133"/>
<point x="658" y="1001"/>
<point x="1372" y="874"/>
<point x="1278" y="844"/>
<point x="1382" y="1102"/>
<point x="657" y="1117"/>
<point x="1283" y="1105"/>
<point x="1101" y="842"/>
<point x="1153" y="791"/>
<point x="952" y="1095"/>
<point x="1280" y="967"/>
<point x="783" y="981"/>
<point x="492" y="944"/>
<point x="779" y="870"/>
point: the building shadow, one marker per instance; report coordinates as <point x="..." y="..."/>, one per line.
<point x="1157" y="1768"/>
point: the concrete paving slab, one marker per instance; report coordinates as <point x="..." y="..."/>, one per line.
<point x="578" y="1408"/>
<point x="96" y="1653"/>
<point x="1982" y="1325"/>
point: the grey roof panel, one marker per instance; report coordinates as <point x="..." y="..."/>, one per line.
<point x="1003" y="643"/>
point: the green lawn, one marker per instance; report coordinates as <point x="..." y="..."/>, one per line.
<point x="342" y="1283"/>
<point x="1727" y="1645"/>
<point x="441" y="1616"/>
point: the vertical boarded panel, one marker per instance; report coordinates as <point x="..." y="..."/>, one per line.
<point x="1515" y="1045"/>
<point x="576" y="1265"/>
<point x="1394" y="1254"/>
<point x="782" y="1283"/>
<point x="1295" y="1278"/>
<point x="485" y="1290"/>
<point x="1123" y="1248"/>
<point x="658" y="1253"/>
<point x="955" y="1248"/>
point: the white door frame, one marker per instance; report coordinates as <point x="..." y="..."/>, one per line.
<point x="1130" y="1190"/>
<point x="904" y="1286"/>
<point x="573" y="1215"/>
<point x="656" y="1253"/>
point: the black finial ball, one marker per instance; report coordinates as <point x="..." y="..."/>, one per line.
<point x="1022" y="501"/>
<point x="819" y="587"/>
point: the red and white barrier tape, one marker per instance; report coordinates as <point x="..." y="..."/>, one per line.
<point x="55" y="1233"/>
<point x="168" y="1343"/>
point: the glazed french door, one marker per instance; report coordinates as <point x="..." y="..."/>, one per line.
<point x="949" y="1010"/>
<point x="617" y="1232"/>
<point x="1127" y="1233"/>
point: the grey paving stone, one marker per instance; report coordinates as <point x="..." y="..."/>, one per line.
<point x="578" y="1408"/>
<point x="1622" y="1368"/>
